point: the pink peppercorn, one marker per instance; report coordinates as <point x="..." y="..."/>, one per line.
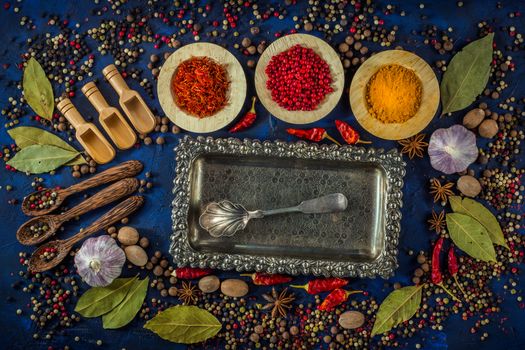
<point x="298" y="78"/>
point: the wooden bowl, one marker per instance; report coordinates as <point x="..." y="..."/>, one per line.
<point x="322" y="49"/>
<point x="429" y="100"/>
<point x="236" y="93"/>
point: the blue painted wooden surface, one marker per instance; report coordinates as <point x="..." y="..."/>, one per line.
<point x="154" y="219"/>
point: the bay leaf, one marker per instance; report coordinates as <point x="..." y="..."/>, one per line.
<point x="37" y="159"/>
<point x="399" y="306"/>
<point x="98" y="301"/>
<point x="37" y="89"/>
<point x="467" y="75"/>
<point x="125" y="312"/>
<point x="470" y="236"/>
<point x="477" y="211"/>
<point x="184" y="324"/>
<point x="26" y="136"/>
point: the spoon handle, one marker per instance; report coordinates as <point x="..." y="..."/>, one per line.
<point x="107" y="195"/>
<point x="121" y="171"/>
<point x="330" y="203"/>
<point x="119" y="212"/>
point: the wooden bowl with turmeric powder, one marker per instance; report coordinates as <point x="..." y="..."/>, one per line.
<point x="394" y="94"/>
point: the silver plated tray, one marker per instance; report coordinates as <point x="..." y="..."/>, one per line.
<point x="360" y="241"/>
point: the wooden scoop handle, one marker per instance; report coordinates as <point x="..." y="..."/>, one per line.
<point x="119" y="212"/>
<point x="121" y="171"/>
<point x="107" y="195"/>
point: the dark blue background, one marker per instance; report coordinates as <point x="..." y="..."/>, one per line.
<point x="154" y="219"/>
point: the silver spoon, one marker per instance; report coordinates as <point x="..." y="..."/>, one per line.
<point x="224" y="218"/>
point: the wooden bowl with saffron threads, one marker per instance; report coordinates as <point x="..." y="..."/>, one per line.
<point x="236" y="92"/>
<point x="326" y="52"/>
<point x="429" y="98"/>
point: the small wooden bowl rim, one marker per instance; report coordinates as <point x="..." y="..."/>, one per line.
<point x="326" y="52"/>
<point x="429" y="99"/>
<point x="236" y="93"/>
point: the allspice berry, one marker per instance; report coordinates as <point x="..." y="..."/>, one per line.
<point x="469" y="186"/>
<point x="488" y="128"/>
<point x="473" y="118"/>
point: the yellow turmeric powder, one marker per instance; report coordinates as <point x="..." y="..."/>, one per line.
<point x="393" y="94"/>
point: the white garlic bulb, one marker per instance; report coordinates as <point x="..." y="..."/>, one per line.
<point x="99" y="261"/>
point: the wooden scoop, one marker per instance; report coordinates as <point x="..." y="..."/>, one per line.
<point x="61" y="247"/>
<point x="87" y="134"/>
<point x="53" y="222"/>
<point x="130" y="101"/>
<point x="110" y="118"/>
<point x="121" y="171"/>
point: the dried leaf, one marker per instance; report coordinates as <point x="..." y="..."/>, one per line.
<point x="184" y="324"/>
<point x="37" y="159"/>
<point x="98" y="301"/>
<point x="125" y="312"/>
<point x="37" y="89"/>
<point x="26" y="136"/>
<point x="477" y="211"/>
<point x="398" y="306"/>
<point x="470" y="236"/>
<point x="467" y="75"/>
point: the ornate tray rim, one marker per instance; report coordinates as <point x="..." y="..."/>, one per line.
<point x="190" y="148"/>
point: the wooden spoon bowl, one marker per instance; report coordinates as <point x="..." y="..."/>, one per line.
<point x="38" y="264"/>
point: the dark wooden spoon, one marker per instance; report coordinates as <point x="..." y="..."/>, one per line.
<point x="60" y="248"/>
<point x="121" y="171"/>
<point x="53" y="222"/>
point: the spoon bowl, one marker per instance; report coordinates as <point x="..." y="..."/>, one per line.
<point x="27" y="236"/>
<point x="38" y="262"/>
<point x="57" y="202"/>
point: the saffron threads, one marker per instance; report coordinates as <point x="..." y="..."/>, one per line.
<point x="298" y="79"/>
<point x="200" y="86"/>
<point x="393" y="94"/>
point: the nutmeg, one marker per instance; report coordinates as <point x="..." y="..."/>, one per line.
<point x="473" y="118"/>
<point x="488" y="128"/>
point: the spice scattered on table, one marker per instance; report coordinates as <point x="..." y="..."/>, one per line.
<point x="200" y="86"/>
<point x="278" y="302"/>
<point x="298" y="79"/>
<point x="414" y="146"/>
<point x="313" y="134"/>
<point x="349" y="134"/>
<point x="336" y="297"/>
<point x="268" y="279"/>
<point x="393" y="94"/>
<point x="247" y="120"/>
<point x="320" y="285"/>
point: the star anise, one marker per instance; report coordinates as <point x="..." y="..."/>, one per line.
<point x="441" y="192"/>
<point x="188" y="293"/>
<point x="414" y="146"/>
<point x="437" y="222"/>
<point x="280" y="303"/>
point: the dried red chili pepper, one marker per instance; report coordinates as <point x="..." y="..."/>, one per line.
<point x="322" y="285"/>
<point x="453" y="268"/>
<point x="313" y="134"/>
<point x="268" y="279"/>
<point x="336" y="297"/>
<point x="349" y="134"/>
<point x="247" y="120"/>
<point x="189" y="273"/>
<point x="436" y="275"/>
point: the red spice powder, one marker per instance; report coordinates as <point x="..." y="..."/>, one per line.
<point x="298" y="78"/>
<point x="200" y="86"/>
